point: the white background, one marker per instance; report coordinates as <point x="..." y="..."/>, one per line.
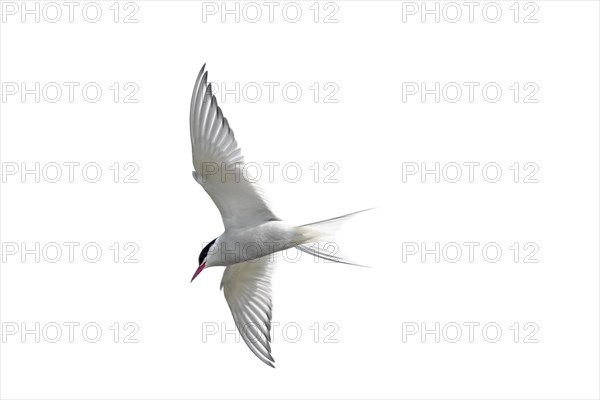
<point x="369" y="133"/>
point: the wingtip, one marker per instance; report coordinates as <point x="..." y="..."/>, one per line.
<point x="201" y="72"/>
<point x="270" y="362"/>
<point x="204" y="82"/>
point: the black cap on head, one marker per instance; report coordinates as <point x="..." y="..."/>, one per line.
<point x="204" y="252"/>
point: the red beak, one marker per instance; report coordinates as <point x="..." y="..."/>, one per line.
<point x="200" y="268"/>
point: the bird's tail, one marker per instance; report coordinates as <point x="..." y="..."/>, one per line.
<point x="324" y="245"/>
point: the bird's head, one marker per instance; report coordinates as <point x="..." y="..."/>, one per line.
<point x="202" y="259"/>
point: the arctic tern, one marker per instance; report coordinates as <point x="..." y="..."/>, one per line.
<point x="253" y="233"/>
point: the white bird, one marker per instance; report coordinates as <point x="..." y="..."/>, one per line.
<point x="252" y="231"/>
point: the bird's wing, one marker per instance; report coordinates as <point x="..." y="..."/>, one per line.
<point x="219" y="164"/>
<point x="247" y="289"/>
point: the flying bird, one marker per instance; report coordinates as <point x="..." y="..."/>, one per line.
<point x="253" y="233"/>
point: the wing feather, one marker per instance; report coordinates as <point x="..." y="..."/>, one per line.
<point x="219" y="164"/>
<point x="247" y="289"/>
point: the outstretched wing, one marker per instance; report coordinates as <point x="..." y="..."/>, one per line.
<point x="218" y="162"/>
<point x="247" y="289"/>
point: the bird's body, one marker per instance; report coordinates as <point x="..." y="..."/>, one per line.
<point x="253" y="233"/>
<point x="249" y="243"/>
